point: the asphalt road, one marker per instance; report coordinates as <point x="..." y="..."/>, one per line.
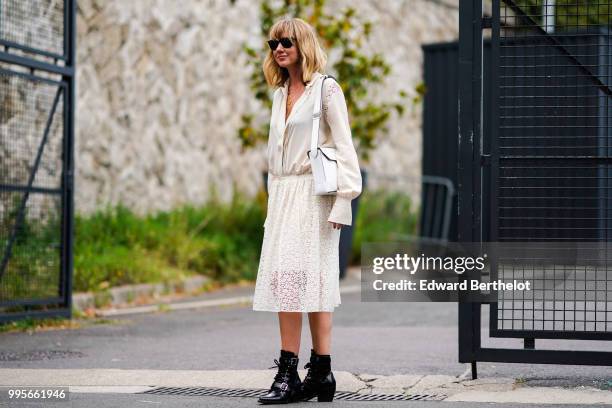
<point x="373" y="338"/>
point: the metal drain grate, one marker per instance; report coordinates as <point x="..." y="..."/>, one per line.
<point x="235" y="392"/>
<point x="205" y="391"/>
<point x="36" y="355"/>
<point x="354" y="396"/>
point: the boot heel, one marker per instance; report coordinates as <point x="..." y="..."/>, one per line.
<point x="326" y="395"/>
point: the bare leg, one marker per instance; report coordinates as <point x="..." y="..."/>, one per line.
<point x="320" y="330"/>
<point x="290" y="330"/>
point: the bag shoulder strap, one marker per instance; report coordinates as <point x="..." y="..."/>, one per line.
<point x="316" y="116"/>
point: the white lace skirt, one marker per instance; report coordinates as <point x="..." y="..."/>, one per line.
<point x="299" y="266"/>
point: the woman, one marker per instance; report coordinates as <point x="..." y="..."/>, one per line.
<point x="299" y="266"/>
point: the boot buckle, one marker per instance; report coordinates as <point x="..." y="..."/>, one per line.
<point x="284" y="386"/>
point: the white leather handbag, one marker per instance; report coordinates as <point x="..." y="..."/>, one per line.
<point x="322" y="159"/>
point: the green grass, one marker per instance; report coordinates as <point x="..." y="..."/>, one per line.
<point x="34" y="262"/>
<point x="115" y="246"/>
<point x="380" y="215"/>
<point x="218" y="240"/>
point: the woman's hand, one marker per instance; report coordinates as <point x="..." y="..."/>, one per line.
<point x="336" y="225"/>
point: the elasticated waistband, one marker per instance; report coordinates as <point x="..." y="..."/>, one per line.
<point x="289" y="176"/>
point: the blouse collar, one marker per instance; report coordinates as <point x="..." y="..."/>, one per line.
<point x="314" y="78"/>
<point x="281" y="123"/>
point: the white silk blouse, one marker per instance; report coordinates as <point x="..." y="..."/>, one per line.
<point x="289" y="142"/>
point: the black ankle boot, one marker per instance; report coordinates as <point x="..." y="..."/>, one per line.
<point x="287" y="383"/>
<point x="319" y="380"/>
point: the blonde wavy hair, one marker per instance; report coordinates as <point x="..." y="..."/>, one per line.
<point x="310" y="53"/>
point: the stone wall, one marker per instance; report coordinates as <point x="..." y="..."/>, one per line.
<point x="162" y="85"/>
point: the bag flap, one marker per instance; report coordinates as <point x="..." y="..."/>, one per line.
<point x="329" y="152"/>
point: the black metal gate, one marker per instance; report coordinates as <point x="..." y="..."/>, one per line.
<point x="37" y="84"/>
<point x="541" y="171"/>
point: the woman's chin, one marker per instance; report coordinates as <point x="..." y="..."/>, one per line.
<point x="284" y="63"/>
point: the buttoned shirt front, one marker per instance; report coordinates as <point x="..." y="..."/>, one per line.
<point x="289" y="140"/>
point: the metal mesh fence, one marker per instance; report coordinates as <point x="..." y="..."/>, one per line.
<point x="30" y="187"/>
<point x="35" y="24"/>
<point x="564" y="298"/>
<point x="33" y="268"/>
<point x="554" y="145"/>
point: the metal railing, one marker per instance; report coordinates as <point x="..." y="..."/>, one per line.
<point x="547" y="162"/>
<point x="37" y="84"/>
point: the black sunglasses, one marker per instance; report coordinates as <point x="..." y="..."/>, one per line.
<point x="286" y="43"/>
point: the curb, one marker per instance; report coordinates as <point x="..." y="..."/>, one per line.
<point x="116" y="298"/>
<point x="120" y="295"/>
<point x="193" y="304"/>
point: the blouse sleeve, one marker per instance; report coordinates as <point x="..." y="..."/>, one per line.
<point x="349" y="174"/>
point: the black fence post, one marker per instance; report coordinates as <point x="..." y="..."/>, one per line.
<point x="469" y="134"/>
<point x="68" y="180"/>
